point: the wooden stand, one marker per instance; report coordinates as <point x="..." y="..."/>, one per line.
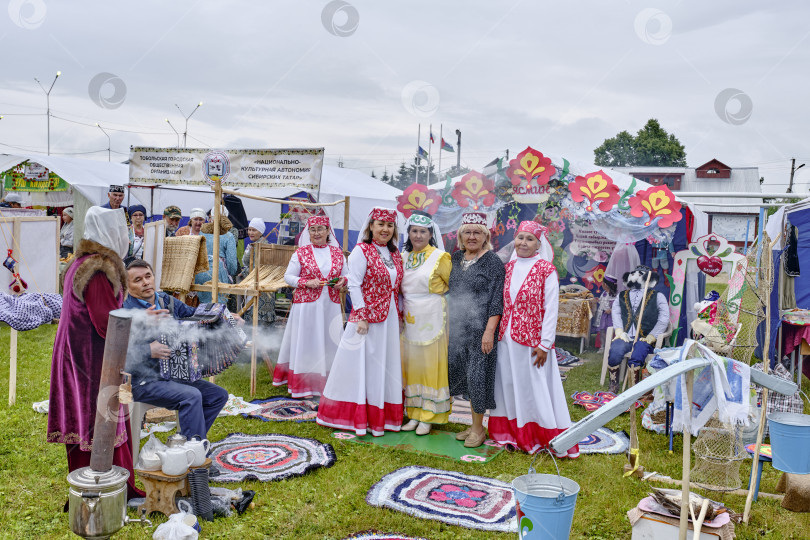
<point x="161" y="491"/>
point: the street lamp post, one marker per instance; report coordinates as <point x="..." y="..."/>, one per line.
<point x="109" y="142"/>
<point x="185" y="132"/>
<point x="48" y="101"/>
<point x="175" y="132"/>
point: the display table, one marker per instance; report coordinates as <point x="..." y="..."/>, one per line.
<point x="577" y="306"/>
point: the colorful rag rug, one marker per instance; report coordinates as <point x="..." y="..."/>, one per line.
<point x="605" y="441"/>
<point x="461" y="413"/>
<point x="591" y="402"/>
<point x="283" y="409"/>
<point x="376" y="535"/>
<point x="268" y="457"/>
<point x="454" y="498"/>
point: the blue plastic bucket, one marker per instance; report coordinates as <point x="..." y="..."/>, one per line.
<point x="790" y="442"/>
<point x="544" y="505"/>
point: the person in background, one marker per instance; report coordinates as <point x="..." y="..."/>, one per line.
<point x="226" y="258"/>
<point x="267" y="301"/>
<point x="13" y="200"/>
<point x="475" y="305"/>
<point x="116" y="196"/>
<point x="530" y="404"/>
<point x="172" y="215"/>
<point x="196" y="220"/>
<point x="137" y="215"/>
<point x="66" y="234"/>
<point x="197" y="403"/>
<point x="255" y="232"/>
<point x="94" y="284"/>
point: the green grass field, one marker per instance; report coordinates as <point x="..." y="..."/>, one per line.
<point x="330" y="503"/>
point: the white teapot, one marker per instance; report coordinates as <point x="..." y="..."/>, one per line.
<point x="176" y="461"/>
<point x="200" y="449"/>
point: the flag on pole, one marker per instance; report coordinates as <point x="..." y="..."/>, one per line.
<point x="432" y="140"/>
<point x="447" y="146"/>
<point x="422" y="154"/>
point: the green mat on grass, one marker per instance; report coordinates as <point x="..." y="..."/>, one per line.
<point x="436" y="443"/>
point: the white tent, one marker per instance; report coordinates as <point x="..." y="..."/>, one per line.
<point x="92" y="179"/>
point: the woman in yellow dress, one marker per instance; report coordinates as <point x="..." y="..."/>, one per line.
<point x="424" y="337"/>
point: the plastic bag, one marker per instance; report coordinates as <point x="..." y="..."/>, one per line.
<point x="178" y="528"/>
<point x="148" y="459"/>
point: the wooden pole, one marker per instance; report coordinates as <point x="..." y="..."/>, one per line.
<point x="254" y="260"/>
<point x="215" y="261"/>
<point x="278" y="201"/>
<point x="687" y="457"/>
<point x="766" y="347"/>
<point x="12" y="372"/>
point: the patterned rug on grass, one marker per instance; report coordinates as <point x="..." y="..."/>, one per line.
<point x="591" y="402"/>
<point x="376" y="535"/>
<point x="454" y="498"/>
<point x="605" y="441"/>
<point x="268" y="457"/>
<point x="283" y="409"/>
<point x="461" y="413"/>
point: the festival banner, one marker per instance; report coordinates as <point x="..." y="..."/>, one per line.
<point x="296" y="168"/>
<point x="30" y="176"/>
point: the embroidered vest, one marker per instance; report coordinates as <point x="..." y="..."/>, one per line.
<point x="310" y="270"/>
<point x="630" y="319"/>
<point x="528" y="310"/>
<point x="376" y="287"/>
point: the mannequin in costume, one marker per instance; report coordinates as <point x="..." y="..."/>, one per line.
<point x="424" y="338"/>
<point x="307" y="350"/>
<point x="364" y="389"/>
<point x="94" y="284"/>
<point x="530" y="404"/>
<point x="625" y="315"/>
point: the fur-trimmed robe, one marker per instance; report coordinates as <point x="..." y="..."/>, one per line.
<point x="94" y="285"/>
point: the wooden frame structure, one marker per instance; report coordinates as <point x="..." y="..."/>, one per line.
<point x="255" y="290"/>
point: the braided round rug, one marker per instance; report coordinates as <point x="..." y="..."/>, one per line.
<point x="376" y="535"/>
<point x="454" y="498"/>
<point x="605" y="441"/>
<point x="268" y="457"/>
<point x="284" y="409"/>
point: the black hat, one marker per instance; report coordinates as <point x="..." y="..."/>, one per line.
<point x="116" y="189"/>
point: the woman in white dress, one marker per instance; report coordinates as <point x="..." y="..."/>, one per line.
<point x="316" y="271"/>
<point x="530" y="406"/>
<point x="364" y="389"/>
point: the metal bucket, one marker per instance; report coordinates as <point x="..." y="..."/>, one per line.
<point x="544" y="504"/>
<point x="790" y="442"/>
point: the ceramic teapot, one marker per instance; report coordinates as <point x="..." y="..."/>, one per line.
<point x="200" y="449"/>
<point x="175" y="461"/>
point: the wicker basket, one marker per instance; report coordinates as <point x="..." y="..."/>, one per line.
<point x="274" y="255"/>
<point x="183" y="257"/>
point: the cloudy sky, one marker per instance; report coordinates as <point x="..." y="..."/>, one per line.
<point x="357" y="77"/>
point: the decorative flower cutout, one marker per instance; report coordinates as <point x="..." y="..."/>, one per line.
<point x="474" y="189"/>
<point x="470" y="457"/>
<point x="530" y="166"/>
<point x="458" y="495"/>
<point x="511" y="224"/>
<point x="418" y="197"/>
<point x="656" y="202"/>
<point x="499" y="229"/>
<point x="598" y="188"/>
<point x="344" y="436"/>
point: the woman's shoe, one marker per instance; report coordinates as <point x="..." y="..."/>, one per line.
<point x="462" y="435"/>
<point x="474" y="441"/>
<point x="423" y="428"/>
<point x="410" y="426"/>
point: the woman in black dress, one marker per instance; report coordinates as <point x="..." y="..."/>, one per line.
<point x="475" y="305"/>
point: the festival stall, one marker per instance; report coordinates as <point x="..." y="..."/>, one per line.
<point x="589" y="212"/>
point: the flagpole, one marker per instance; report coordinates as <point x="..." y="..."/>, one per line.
<point x="418" y="157"/>
<point x="441" y="138"/>
<point x="430" y="145"/>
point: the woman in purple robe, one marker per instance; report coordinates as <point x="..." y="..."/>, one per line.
<point x="94" y="285"/>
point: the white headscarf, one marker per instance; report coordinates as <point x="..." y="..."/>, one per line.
<point x="108" y="228"/>
<point x="305" y="240"/>
<point x="258" y="224"/>
<point x="424" y="221"/>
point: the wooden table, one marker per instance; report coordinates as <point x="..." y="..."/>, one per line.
<point x="162" y="489"/>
